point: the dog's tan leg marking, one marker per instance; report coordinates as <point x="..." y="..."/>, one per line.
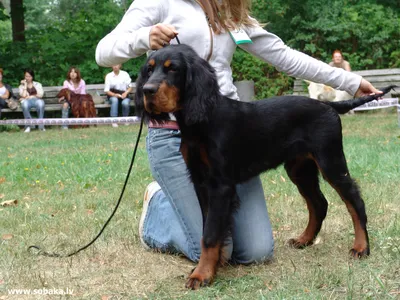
<point x="205" y="271"/>
<point x="307" y="237"/>
<point x="360" y="246"/>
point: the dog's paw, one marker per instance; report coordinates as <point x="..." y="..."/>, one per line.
<point x="299" y="243"/>
<point x="359" y="253"/>
<point x="198" y="279"/>
<point x="195" y="283"/>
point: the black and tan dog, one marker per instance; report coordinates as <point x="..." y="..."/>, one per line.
<point x="225" y="142"/>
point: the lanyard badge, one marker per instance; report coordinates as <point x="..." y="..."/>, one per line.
<point x="239" y="36"/>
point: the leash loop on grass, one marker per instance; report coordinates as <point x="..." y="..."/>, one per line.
<point x="48" y="254"/>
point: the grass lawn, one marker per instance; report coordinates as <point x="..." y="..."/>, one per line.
<point x="67" y="183"/>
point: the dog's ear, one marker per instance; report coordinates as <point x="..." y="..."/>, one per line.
<point x="201" y="91"/>
<point x="139" y="95"/>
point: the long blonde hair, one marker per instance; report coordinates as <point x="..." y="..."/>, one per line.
<point x="227" y="14"/>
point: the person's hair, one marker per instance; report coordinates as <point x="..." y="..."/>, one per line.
<point x="228" y="15"/>
<point x="1" y="72"/>
<point x="30" y="72"/>
<point x="337" y="51"/>
<point x="78" y="74"/>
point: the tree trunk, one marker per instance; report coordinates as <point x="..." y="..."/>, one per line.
<point x="17" y="20"/>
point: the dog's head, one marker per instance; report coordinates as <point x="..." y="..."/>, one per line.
<point x="176" y="80"/>
<point x="64" y="93"/>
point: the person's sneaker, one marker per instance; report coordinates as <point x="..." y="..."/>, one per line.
<point x="151" y="189"/>
<point x="43" y="129"/>
<point x="115" y="125"/>
<point x="27" y="129"/>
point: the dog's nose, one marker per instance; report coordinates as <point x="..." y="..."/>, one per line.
<point x="150" y="89"/>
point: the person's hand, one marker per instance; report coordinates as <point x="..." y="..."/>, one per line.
<point x="118" y="95"/>
<point x="161" y="35"/>
<point x="61" y="99"/>
<point x="366" y="89"/>
<point x="124" y="95"/>
<point x="23" y="82"/>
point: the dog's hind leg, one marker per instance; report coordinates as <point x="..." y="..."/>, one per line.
<point x="304" y="173"/>
<point x="335" y="171"/>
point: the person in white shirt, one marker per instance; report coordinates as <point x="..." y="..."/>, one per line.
<point x="171" y="219"/>
<point x="117" y="87"/>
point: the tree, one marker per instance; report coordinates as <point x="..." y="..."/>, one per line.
<point x="17" y="20"/>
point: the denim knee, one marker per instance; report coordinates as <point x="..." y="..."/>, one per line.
<point x="24" y="105"/>
<point x="40" y="103"/>
<point x="113" y="99"/>
<point x="255" y="254"/>
<point x="125" y="103"/>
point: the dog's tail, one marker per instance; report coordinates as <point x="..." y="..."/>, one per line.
<point x="343" y="107"/>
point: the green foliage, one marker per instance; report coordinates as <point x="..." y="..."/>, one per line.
<point x="268" y="81"/>
<point x="61" y="33"/>
<point x="366" y="31"/>
<point x="64" y="35"/>
<point x="5" y="26"/>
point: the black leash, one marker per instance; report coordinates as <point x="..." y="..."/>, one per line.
<point x="42" y="252"/>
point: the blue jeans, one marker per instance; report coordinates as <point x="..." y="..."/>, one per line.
<point x="114" y="106"/>
<point x="65" y="112"/>
<point x="28" y="104"/>
<point x="174" y="221"/>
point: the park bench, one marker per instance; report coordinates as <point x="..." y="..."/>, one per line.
<point x="378" y="78"/>
<point x="51" y="101"/>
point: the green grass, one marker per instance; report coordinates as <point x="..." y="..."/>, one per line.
<point x="67" y="183"/>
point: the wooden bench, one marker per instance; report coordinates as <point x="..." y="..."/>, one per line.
<point x="378" y="78"/>
<point x="51" y="101"/>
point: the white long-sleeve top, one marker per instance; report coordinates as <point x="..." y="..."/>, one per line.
<point x="130" y="39"/>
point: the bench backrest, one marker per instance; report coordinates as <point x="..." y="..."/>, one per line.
<point x="50" y="92"/>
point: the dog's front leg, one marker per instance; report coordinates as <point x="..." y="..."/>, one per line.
<point x="216" y="229"/>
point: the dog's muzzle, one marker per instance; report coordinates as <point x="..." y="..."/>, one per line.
<point x="149" y="91"/>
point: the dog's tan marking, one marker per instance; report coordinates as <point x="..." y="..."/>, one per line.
<point x="360" y="242"/>
<point x="360" y="246"/>
<point x="152" y="62"/>
<point x="184" y="151"/>
<point x="166" y="99"/>
<point x="167" y="63"/>
<point x="204" y="155"/>
<point x="207" y="267"/>
<point x="308" y="235"/>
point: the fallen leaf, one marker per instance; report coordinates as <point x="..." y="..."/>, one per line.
<point x="2" y="180"/>
<point x="285" y="228"/>
<point x="283" y="178"/>
<point x="2" y="196"/>
<point x="9" y="203"/>
<point x="105" y="297"/>
<point x="7" y="236"/>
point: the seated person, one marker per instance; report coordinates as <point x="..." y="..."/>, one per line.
<point x="117" y="87"/>
<point x="74" y="83"/>
<point x="4" y="93"/>
<point x="30" y="93"/>
<point x="339" y="62"/>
